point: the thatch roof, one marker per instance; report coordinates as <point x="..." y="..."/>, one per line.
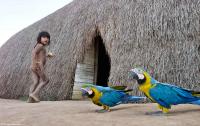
<point x="161" y="35"/>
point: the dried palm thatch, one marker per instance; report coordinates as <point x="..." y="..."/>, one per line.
<point x="161" y="35"/>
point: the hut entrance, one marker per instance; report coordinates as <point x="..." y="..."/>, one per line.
<point x="94" y="69"/>
<point x="102" y="63"/>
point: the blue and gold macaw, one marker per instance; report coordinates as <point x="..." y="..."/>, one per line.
<point x="108" y="96"/>
<point x="164" y="94"/>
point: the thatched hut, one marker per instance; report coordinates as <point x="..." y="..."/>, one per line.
<point x="98" y="41"/>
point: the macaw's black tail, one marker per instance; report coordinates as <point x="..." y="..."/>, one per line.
<point x="196" y="93"/>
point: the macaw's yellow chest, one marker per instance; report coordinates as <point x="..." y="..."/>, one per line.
<point x="145" y="88"/>
<point x="97" y="96"/>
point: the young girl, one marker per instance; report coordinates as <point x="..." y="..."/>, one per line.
<point x="37" y="66"/>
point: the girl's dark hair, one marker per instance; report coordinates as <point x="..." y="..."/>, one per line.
<point x="42" y="34"/>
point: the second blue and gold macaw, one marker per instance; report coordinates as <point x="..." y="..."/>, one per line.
<point x="164" y="94"/>
<point x="108" y="96"/>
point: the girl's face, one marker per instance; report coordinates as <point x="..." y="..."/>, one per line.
<point x="45" y="40"/>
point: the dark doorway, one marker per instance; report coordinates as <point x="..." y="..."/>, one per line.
<point x="102" y="63"/>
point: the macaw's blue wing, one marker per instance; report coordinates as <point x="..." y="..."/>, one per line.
<point x="167" y="95"/>
<point x="112" y="98"/>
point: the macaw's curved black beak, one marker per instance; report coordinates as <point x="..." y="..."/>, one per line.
<point x="84" y="92"/>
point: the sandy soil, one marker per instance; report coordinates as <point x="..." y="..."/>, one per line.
<point x="82" y="113"/>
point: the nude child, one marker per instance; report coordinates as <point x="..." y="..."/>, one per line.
<point x="37" y="66"/>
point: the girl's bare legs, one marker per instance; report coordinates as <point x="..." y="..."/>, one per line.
<point x="43" y="81"/>
<point x="36" y="79"/>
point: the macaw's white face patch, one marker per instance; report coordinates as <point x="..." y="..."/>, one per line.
<point x="141" y="76"/>
<point x="90" y="92"/>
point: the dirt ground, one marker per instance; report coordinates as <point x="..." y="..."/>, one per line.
<point x="82" y="113"/>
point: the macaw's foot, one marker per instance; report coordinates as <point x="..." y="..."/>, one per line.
<point x="102" y="111"/>
<point x="164" y="110"/>
<point x="158" y="113"/>
<point x="105" y="109"/>
<point x="35" y="98"/>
